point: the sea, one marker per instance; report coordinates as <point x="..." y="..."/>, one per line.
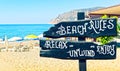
<point x="22" y="30"/>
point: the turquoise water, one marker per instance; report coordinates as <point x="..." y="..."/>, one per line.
<point x="21" y="30"/>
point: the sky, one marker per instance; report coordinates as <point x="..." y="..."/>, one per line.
<point x="42" y="11"/>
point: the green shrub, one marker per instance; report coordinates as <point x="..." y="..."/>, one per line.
<point x="107" y="39"/>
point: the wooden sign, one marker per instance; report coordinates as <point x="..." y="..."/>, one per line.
<point x="80" y="50"/>
<point x="77" y="50"/>
<point x="87" y="28"/>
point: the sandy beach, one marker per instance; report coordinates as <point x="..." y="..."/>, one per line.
<point x="31" y="61"/>
<point x="18" y="46"/>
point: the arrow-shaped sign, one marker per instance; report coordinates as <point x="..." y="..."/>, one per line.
<point x="77" y="50"/>
<point x="87" y="28"/>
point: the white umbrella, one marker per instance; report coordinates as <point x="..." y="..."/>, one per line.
<point x="1" y="39"/>
<point x="6" y="42"/>
<point x="15" y="39"/>
<point x="40" y="36"/>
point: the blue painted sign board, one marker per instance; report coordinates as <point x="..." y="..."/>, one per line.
<point x="77" y="50"/>
<point x="87" y="28"/>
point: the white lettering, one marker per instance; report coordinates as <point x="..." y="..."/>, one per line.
<point x="104" y="24"/>
<point x="56" y="44"/>
<point x="68" y="30"/>
<point x="101" y="25"/>
<point x="92" y="27"/>
<point x="61" y="31"/>
<point x="74" y="31"/>
<point x="78" y="53"/>
<point x="47" y="44"/>
<point x="106" y="49"/>
<point x="110" y="26"/>
<point x="97" y="26"/>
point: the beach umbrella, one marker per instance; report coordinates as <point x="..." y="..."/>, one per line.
<point x="31" y="36"/>
<point x="1" y="39"/>
<point x="15" y="39"/>
<point x="40" y="36"/>
<point x="6" y="42"/>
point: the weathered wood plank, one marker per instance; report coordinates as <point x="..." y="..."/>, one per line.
<point x="77" y="50"/>
<point x="83" y="28"/>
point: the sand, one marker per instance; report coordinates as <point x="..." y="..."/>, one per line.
<point x="31" y="61"/>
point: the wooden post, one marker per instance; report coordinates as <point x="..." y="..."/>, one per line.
<point x="82" y="63"/>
